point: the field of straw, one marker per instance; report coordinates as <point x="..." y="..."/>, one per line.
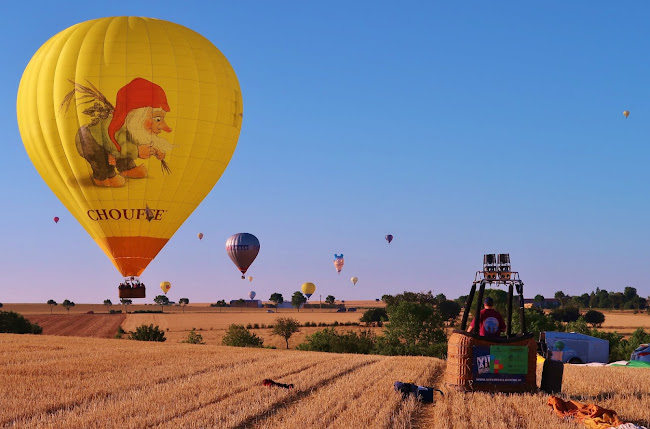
<point x="67" y="382"/>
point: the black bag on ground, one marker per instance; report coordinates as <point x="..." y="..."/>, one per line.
<point x="421" y="393"/>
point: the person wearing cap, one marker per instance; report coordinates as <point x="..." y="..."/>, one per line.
<point x="491" y="321"/>
<point x="115" y="139"/>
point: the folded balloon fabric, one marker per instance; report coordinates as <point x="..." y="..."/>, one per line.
<point x="591" y="415"/>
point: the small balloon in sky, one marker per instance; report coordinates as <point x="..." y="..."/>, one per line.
<point x="626" y="113"/>
<point x="354" y="280"/>
<point x="252" y="294"/>
<point x="308" y="289"/>
<point x="56" y="219"/>
<point x="250" y="278"/>
<point x="338" y="262"/>
<point x="165" y="286"/>
<point x="389" y="238"/>
<point x="200" y="235"/>
<point x="242" y="248"/>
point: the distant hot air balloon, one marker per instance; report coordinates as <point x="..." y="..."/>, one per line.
<point x="165" y="286"/>
<point x="200" y="235"/>
<point x="338" y="262"/>
<point x="56" y="219"/>
<point x="354" y="280"/>
<point x="252" y="294"/>
<point x="308" y="289"/>
<point x="250" y="278"/>
<point x="95" y="83"/>
<point x="626" y="113"/>
<point x="243" y="249"/>
<point x="389" y="238"/>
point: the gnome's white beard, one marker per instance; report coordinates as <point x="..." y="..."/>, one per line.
<point x="134" y="124"/>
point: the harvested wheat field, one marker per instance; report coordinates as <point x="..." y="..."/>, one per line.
<point x="80" y="382"/>
<point x="70" y="382"/>
<point x="79" y="325"/>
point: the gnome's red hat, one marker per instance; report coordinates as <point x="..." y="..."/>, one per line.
<point x="134" y="95"/>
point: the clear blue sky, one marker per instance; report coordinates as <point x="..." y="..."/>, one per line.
<point x="460" y="128"/>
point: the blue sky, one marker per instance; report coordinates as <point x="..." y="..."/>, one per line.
<point x="460" y="128"/>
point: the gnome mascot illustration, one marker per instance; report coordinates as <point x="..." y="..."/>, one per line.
<point x="117" y="136"/>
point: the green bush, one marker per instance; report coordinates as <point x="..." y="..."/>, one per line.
<point x="594" y="318"/>
<point x="249" y="326"/>
<point x="147" y="333"/>
<point x="256" y="326"/>
<point x="14" y="323"/>
<point x="143" y="311"/>
<point x="120" y="332"/>
<point x="194" y="338"/>
<point x="331" y="341"/>
<point x="238" y="336"/>
<point x="374" y="315"/>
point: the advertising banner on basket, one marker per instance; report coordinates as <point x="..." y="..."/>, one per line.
<point x="499" y="364"/>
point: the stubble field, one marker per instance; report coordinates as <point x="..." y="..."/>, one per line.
<point x="64" y="382"/>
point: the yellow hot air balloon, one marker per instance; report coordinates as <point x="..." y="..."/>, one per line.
<point x="354" y="280"/>
<point x="626" y="113"/>
<point x="200" y="235"/>
<point x="308" y="289"/>
<point x="165" y="286"/>
<point x="131" y="122"/>
<point x="250" y="279"/>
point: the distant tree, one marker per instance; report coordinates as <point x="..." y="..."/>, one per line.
<point x="441" y="297"/>
<point x="449" y="310"/>
<point x="14" y="323"/>
<point x="107" y="303"/>
<point x="415" y="328"/>
<point x="298" y="299"/>
<point x="559" y="295"/>
<point x="285" y="327"/>
<point x="148" y="333"/>
<point x="566" y="314"/>
<point x="330" y="299"/>
<point x="126" y="302"/>
<point x="617" y="300"/>
<point x="238" y="336"/>
<point x="161" y="300"/>
<point x="594" y="318"/>
<point x="374" y="315"/>
<point x="51" y="303"/>
<point x="194" y="338"/>
<point x="539" y="298"/>
<point x="277" y="299"/>
<point x="183" y="302"/>
<point x="629" y="293"/>
<point x="67" y="304"/>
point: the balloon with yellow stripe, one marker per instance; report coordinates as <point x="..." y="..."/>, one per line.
<point x="131" y="122"/>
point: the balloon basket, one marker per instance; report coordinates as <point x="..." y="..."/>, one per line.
<point x="461" y="373"/>
<point x="134" y="292"/>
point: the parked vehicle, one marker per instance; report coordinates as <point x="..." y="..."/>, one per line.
<point x="642" y="353"/>
<point x="571" y="347"/>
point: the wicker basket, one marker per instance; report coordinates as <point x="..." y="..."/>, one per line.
<point x="459" y="363"/>
<point x="134" y="292"/>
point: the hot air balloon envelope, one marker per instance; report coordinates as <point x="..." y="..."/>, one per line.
<point x="165" y="286"/>
<point x="243" y="249"/>
<point x="626" y="113"/>
<point x="250" y="278"/>
<point x="308" y="289"/>
<point x="389" y="238"/>
<point x="338" y="262"/>
<point x="56" y="219"/>
<point x="252" y="294"/>
<point x="200" y="235"/>
<point x="131" y="122"/>
<point x="354" y="280"/>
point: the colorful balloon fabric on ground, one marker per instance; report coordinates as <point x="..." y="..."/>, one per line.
<point x="308" y="289"/>
<point x="123" y="113"/>
<point x="242" y="249"/>
<point x="338" y="262"/>
<point x="165" y="286"/>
